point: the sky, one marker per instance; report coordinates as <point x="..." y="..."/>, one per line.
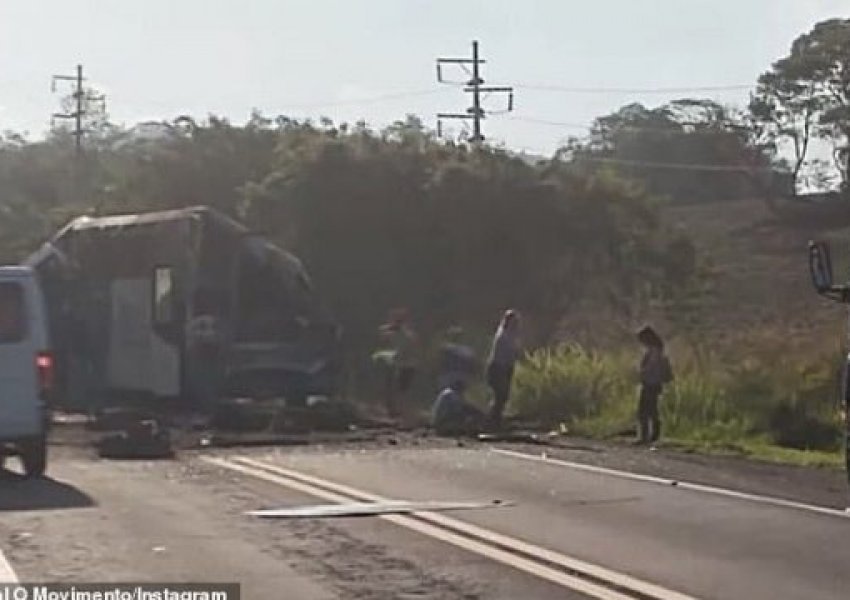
<point x="375" y="59"/>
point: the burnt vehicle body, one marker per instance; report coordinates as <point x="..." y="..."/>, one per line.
<point x="121" y="290"/>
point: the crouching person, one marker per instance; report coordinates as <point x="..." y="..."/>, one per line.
<point x="453" y="415"/>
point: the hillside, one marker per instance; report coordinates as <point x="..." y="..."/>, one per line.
<point x="759" y="284"/>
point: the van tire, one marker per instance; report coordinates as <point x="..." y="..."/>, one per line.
<point x="34" y="456"/>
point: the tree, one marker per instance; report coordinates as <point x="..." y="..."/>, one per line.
<point x="807" y="95"/>
<point x="380" y="218"/>
<point x="786" y="111"/>
<point x="455" y="233"/>
<point x="688" y="149"/>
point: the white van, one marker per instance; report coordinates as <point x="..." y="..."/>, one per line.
<point x="26" y="370"/>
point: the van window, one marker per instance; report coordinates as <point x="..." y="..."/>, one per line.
<point x="13" y="322"/>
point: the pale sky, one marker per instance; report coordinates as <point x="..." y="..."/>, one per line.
<point x="157" y="59"/>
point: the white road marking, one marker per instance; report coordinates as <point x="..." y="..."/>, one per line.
<point x="486" y="543"/>
<point x="684" y="485"/>
<point x="7" y="574"/>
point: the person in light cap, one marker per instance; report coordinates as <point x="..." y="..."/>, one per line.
<point x="500" y="365"/>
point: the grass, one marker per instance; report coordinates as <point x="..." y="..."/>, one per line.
<point x="768" y="406"/>
<point x="761" y="450"/>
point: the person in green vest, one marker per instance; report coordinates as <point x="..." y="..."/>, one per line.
<point x="398" y="357"/>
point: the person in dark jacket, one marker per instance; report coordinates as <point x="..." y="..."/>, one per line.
<point x="457" y="360"/>
<point x="452" y="414"/>
<point x="655" y="373"/>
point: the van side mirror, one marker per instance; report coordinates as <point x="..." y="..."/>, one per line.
<point x="820" y="266"/>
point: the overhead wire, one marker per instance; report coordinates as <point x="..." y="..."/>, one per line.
<point x="616" y="90"/>
<point x="626" y="128"/>
<point x="369" y="100"/>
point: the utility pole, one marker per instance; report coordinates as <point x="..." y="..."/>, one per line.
<point x="81" y="100"/>
<point x="474" y="86"/>
<point x="77" y="110"/>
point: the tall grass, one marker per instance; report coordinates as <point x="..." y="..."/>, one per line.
<point x="768" y="398"/>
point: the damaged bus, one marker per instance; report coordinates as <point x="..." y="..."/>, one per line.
<point x="121" y="291"/>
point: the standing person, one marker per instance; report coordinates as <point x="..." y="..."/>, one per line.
<point x="500" y="365"/>
<point x="205" y="350"/>
<point x="401" y="340"/>
<point x="655" y="373"/>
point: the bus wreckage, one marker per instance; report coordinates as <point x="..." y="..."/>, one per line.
<point x="122" y="292"/>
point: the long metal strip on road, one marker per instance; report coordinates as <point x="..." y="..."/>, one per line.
<point x="7" y="574"/>
<point x="571" y="573"/>
<point x="684" y="485"/>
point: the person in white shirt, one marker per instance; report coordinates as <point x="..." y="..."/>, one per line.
<point x="500" y="366"/>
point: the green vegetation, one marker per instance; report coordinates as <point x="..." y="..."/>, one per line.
<point x="805" y="96"/>
<point x="380" y="218"/>
<point x="586" y="244"/>
<point x="641" y="143"/>
<point x="762" y="405"/>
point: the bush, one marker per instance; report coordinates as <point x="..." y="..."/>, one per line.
<point x="568" y="384"/>
<point x="784" y="402"/>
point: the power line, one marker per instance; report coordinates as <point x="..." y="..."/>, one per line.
<point x="616" y="90"/>
<point x="475" y="87"/>
<point x="368" y="100"/>
<point x="632" y="129"/>
<point x="547" y="122"/>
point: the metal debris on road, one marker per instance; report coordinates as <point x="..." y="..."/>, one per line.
<point x="366" y="509"/>
<point x="515" y="437"/>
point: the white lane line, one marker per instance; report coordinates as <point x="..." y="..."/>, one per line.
<point x="7" y="574"/>
<point x="686" y="485"/>
<point x="490" y="544"/>
<point x="562" y="579"/>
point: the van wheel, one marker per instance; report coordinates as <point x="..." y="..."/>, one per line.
<point x="34" y="456"/>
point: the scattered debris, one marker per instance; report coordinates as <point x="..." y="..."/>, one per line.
<point x="365" y="509"/>
<point x="119" y="418"/>
<point x="141" y="440"/>
<point x="276" y="415"/>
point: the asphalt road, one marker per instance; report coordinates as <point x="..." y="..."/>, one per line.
<point x="570" y="533"/>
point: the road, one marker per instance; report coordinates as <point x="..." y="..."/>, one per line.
<point x="568" y="532"/>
